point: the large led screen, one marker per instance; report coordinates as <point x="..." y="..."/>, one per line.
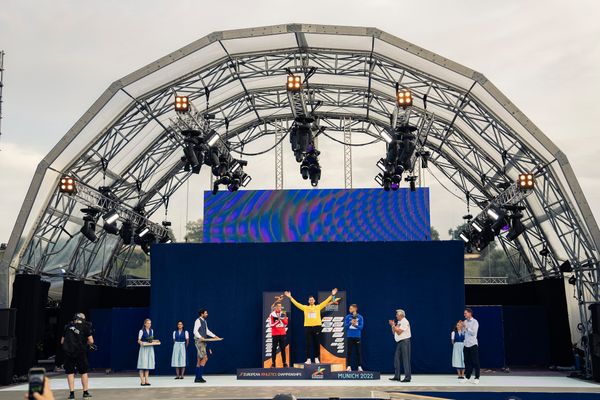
<point x="316" y="215"/>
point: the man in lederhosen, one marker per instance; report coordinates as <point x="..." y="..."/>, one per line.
<point x="202" y="332"/>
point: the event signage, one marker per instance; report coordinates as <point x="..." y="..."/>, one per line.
<point x="333" y="341"/>
<point x="269" y="301"/>
<point x="310" y="372"/>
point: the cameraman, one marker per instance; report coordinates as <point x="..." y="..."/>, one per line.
<point x="75" y="341"/>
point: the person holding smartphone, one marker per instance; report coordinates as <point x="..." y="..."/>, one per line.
<point x="278" y="322"/>
<point x="75" y="341"/>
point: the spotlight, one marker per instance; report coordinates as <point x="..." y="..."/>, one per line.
<point x="89" y="223"/>
<point x="111" y="217"/>
<point x="516" y="227"/>
<point x="111" y="228"/>
<point x="493" y="214"/>
<point x="143" y="232"/>
<point x="526" y="181"/>
<point x="165" y="239"/>
<point x="387" y="136"/>
<point x="182" y="104"/>
<point x="67" y="185"/>
<point x="126" y="232"/>
<point x="464" y="236"/>
<point x="246" y="180"/>
<point x="477" y="227"/>
<point x="213" y="139"/>
<point x="572" y="280"/>
<point x="294" y="84"/>
<point x="565" y="267"/>
<point x="404" y="98"/>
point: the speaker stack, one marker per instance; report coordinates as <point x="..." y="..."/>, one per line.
<point x="8" y="345"/>
<point x="595" y="340"/>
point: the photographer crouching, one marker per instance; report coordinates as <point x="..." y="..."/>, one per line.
<point x="76" y="341"/>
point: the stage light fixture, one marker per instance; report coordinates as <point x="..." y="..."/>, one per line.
<point x="493" y="214"/>
<point x="143" y="231"/>
<point x="126" y="232"/>
<point x="477" y="227"/>
<point x="67" y="185"/>
<point x="213" y="139"/>
<point x="294" y="83"/>
<point x="526" y="181"/>
<point x="246" y="180"/>
<point x="572" y="280"/>
<point x="404" y="98"/>
<point x="182" y="104"/>
<point x="387" y="136"/>
<point x="565" y="267"/>
<point x="111" y="228"/>
<point x="464" y="237"/>
<point x="381" y="165"/>
<point x="89" y="223"/>
<point x="516" y="227"/>
<point x="111" y="217"/>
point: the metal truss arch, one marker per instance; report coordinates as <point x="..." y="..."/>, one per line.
<point x="130" y="141"/>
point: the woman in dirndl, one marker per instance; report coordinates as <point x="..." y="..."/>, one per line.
<point x="458" y="358"/>
<point x="146" y="354"/>
<point x="181" y="339"/>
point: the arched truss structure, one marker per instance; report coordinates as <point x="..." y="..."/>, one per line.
<point x="130" y="140"/>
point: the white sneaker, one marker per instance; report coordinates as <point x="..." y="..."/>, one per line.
<point x="360" y="369"/>
<point x="476" y="381"/>
<point x="307" y="361"/>
<point x="349" y="369"/>
<point x="463" y="380"/>
<point x="317" y="361"/>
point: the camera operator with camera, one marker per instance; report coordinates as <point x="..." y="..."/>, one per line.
<point x="76" y="341"/>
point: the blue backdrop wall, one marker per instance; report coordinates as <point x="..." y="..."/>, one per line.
<point x="424" y="278"/>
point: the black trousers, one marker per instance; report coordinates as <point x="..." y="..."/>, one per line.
<point x="471" y="361"/>
<point x="278" y="342"/>
<point x="354" y="347"/>
<point x="313" y="343"/>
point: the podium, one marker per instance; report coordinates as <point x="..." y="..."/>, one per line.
<point x="332" y="367"/>
<point x="306" y="372"/>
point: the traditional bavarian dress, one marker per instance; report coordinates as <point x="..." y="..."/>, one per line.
<point x="178" y="356"/>
<point x="458" y="357"/>
<point x="146" y="354"/>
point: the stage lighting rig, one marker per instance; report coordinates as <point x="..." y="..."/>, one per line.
<point x="411" y="179"/>
<point x="67" y="185"/>
<point x="233" y="178"/>
<point x="90" y="216"/>
<point x="182" y="104"/>
<point x="400" y="156"/>
<point x="301" y="137"/>
<point x="127" y="232"/>
<point x="310" y="167"/>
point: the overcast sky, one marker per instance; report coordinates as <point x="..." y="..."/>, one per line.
<point x="61" y="55"/>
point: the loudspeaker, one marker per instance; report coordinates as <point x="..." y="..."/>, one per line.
<point x="7" y="371"/>
<point x="8" y="348"/>
<point x="8" y="318"/>
<point x="595" y="311"/>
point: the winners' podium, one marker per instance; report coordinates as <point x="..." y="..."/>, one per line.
<point x="306" y="372"/>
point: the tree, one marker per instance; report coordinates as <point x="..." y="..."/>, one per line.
<point x="435" y="235"/>
<point x="194" y="231"/>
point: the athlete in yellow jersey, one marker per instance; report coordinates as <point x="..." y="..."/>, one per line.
<point x="312" y="323"/>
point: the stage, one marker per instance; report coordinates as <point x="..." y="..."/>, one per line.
<point x="525" y="385"/>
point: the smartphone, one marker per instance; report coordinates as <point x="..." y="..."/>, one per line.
<point x="36" y="381"/>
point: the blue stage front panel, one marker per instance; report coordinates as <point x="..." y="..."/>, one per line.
<point x="424" y="278"/>
<point x="316" y="215"/>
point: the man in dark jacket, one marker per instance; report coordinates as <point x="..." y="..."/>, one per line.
<point x="75" y="342"/>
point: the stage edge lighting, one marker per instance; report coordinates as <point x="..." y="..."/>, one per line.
<point x="67" y="185"/>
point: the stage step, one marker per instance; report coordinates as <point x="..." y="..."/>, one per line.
<point x="334" y="367"/>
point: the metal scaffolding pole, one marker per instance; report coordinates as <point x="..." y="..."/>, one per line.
<point x="1" y="86"/>
<point x="278" y="155"/>
<point x="347" y="153"/>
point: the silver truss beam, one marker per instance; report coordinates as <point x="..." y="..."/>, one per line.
<point x="279" y="155"/>
<point x="347" y="154"/>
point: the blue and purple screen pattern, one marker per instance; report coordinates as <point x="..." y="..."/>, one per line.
<point x="316" y="215"/>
